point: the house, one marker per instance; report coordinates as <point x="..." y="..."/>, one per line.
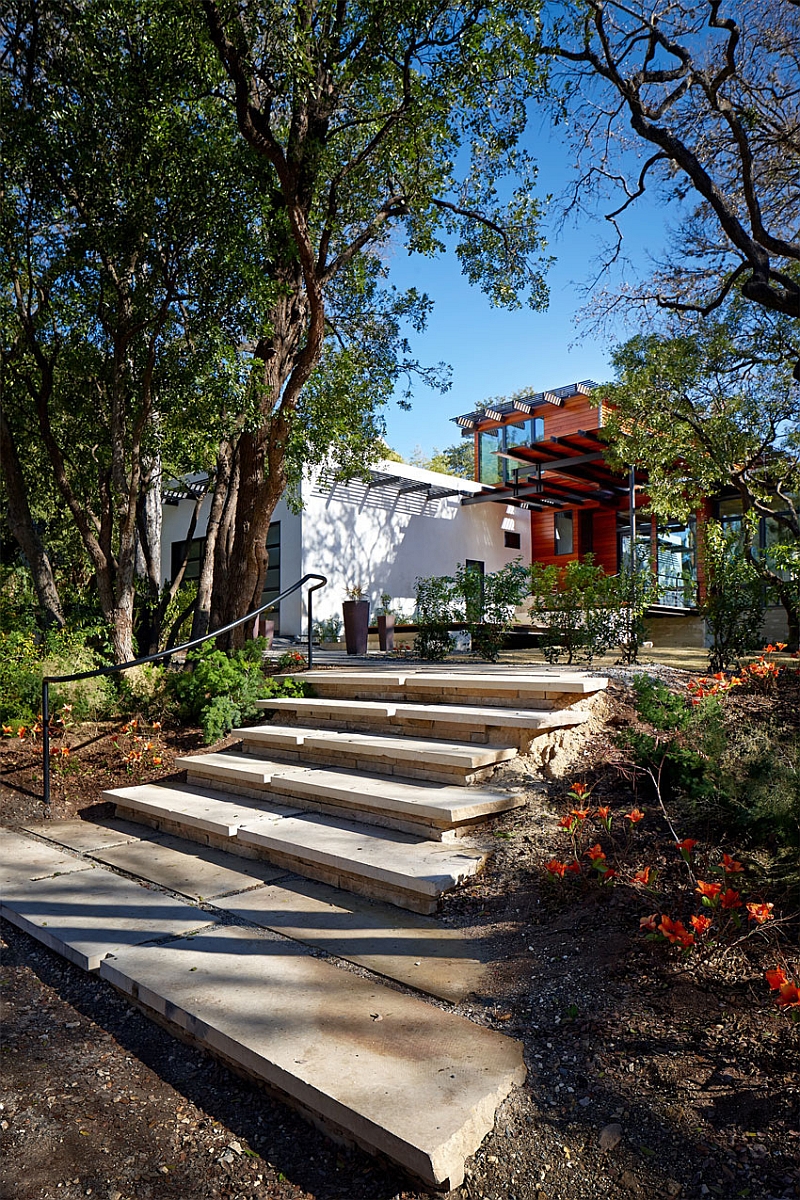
<point x="380" y="533"/>
<point x="542" y="491"/>
<point x="543" y="451"/>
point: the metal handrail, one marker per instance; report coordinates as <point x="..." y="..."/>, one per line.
<point x="138" y="662"/>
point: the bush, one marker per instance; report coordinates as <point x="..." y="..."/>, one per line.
<point x="734" y="604"/>
<point x="573" y="603"/>
<point x="24" y="661"/>
<point x="488" y="603"/>
<point x="435" y="612"/>
<point x="682" y="754"/>
<point x="220" y="690"/>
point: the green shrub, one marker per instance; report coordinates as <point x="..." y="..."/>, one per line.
<point x="219" y="690"/>
<point x="735" y="600"/>
<point x="435" y="612"/>
<point x="683" y="752"/>
<point x="487" y="604"/>
<point x="573" y="604"/>
<point x="26" y="658"/>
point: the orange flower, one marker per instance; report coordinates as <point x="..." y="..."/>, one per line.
<point x="595" y="853"/>
<point x="579" y="789"/>
<point x="701" y="924"/>
<point x="730" y="865"/>
<point x="642" y="876"/>
<point x="675" y="932"/>
<point x="687" y="845"/>
<point x="759" y="912"/>
<point x="65" y="751"/>
<point x="603" y="812"/>
<point x="7" y="730"/>
<point x="566" y="822"/>
<point x="634" y="816"/>
<point x="157" y="762"/>
<point x="776" y="978"/>
<point x="574" y="868"/>
<point x="780" y="645"/>
<point x="21" y="731"/>
<point x="709" y="891"/>
<point x="580" y="814"/>
<point x="556" y="868"/>
<point x="156" y="724"/>
<point x="788" y="996"/>
<point x="730" y="899"/>
<point x="648" y="923"/>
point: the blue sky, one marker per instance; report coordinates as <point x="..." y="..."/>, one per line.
<point x="493" y="352"/>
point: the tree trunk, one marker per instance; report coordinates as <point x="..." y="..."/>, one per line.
<point x="205" y="583"/>
<point x="22" y="527"/>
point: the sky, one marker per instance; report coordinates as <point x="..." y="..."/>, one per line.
<point x="493" y="352"/>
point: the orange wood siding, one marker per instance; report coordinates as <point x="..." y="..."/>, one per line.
<point x="604" y="538"/>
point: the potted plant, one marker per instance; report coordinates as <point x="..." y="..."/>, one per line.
<point x="385" y="618"/>
<point x="356" y="621"/>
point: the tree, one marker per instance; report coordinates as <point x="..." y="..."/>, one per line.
<point x="127" y="282"/>
<point x="453" y="460"/>
<point x="713" y="103"/>
<point x="704" y="420"/>
<point x="359" y="116"/>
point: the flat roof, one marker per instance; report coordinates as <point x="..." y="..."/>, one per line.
<point x="523" y="403"/>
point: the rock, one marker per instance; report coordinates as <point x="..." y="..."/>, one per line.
<point x="630" y="1181"/>
<point x="610" y="1136"/>
<point x="674" y="1188"/>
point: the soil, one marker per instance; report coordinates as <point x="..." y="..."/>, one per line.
<point x="651" y="1072"/>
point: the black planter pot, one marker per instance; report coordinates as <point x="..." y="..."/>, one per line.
<point x="356" y="626"/>
<point x="386" y="631"/>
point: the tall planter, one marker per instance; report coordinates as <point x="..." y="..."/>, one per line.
<point x="356" y="626"/>
<point x="386" y="631"/>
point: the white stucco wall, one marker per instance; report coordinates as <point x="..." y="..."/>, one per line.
<point x="379" y="537"/>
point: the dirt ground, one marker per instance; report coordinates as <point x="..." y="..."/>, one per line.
<point x="651" y="1073"/>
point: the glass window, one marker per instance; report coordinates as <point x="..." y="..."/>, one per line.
<point x="490" y="467"/>
<point x="563" y="532"/>
<point x="272" y="583"/>
<point x="195" y="557"/>
<point x="676" y="550"/>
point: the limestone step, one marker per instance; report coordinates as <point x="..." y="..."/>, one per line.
<point x="380" y="863"/>
<point x="394" y="1074"/>
<point x="85" y="914"/>
<point x="473" y="723"/>
<point x="411" y="758"/>
<point x="430" y="810"/>
<point x="534" y="689"/>
<point x="417" y="951"/>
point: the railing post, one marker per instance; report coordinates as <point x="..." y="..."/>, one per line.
<point x="310" y="627"/>
<point x="46" y="740"/>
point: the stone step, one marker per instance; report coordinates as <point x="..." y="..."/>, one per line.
<point x="400" y="1077"/>
<point x="384" y="754"/>
<point x="416" y="951"/>
<point x="85" y="914"/>
<point x="473" y="723"/>
<point x="396" y="1075"/>
<point x="379" y="863"/>
<point x="430" y="810"/>
<point x="549" y="690"/>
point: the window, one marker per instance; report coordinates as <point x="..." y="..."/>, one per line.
<point x="491" y="468"/>
<point x="272" y="583"/>
<point x="195" y="557"/>
<point x="511" y="540"/>
<point x="586" y="531"/>
<point x="563" y="533"/>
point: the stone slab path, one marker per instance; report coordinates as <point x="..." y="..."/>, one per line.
<point x="385" y="1069"/>
<point x="411" y="949"/>
<point x="400" y="1077"/>
<point x="85" y="915"/>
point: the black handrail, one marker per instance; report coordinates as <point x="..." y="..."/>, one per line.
<point x="138" y="662"/>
